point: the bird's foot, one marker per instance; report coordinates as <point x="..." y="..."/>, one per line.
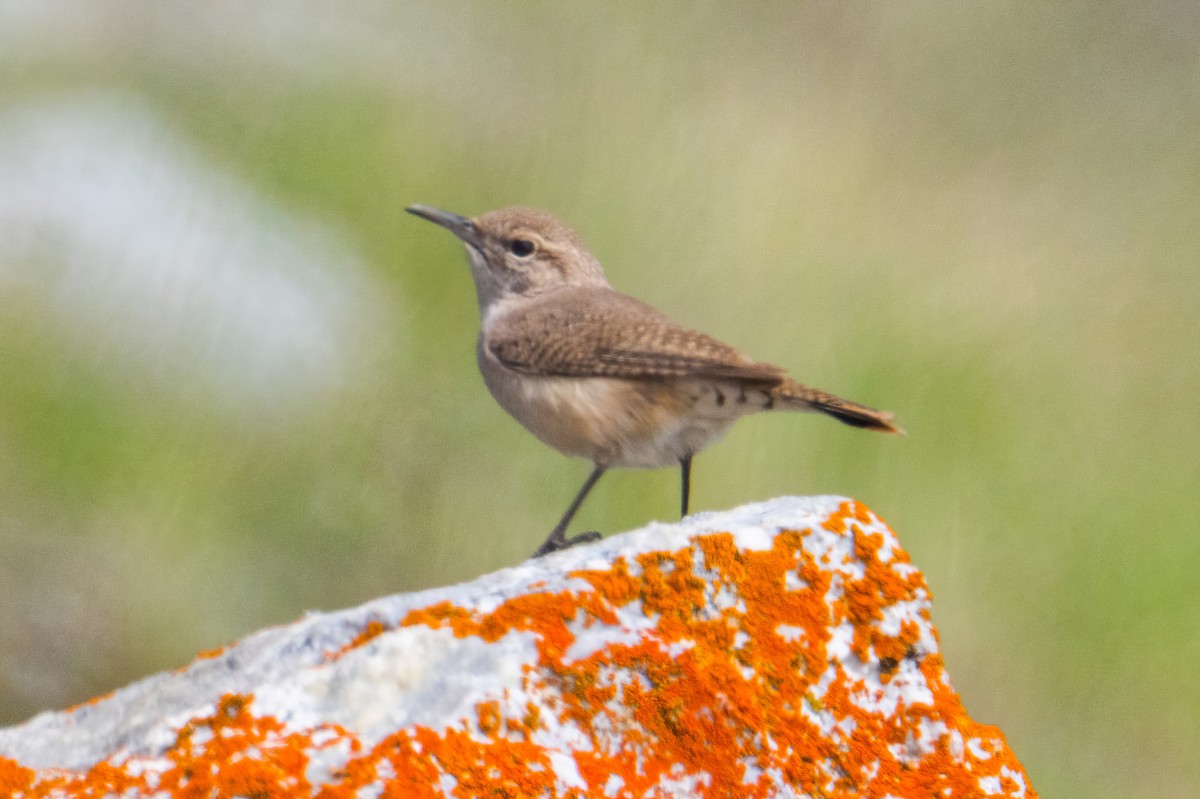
<point x="558" y="541"/>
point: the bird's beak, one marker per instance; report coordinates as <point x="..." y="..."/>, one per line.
<point x="458" y="225"/>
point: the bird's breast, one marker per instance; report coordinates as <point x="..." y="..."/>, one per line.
<point x="611" y="421"/>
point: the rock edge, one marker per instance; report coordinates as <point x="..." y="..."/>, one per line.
<point x="780" y="649"/>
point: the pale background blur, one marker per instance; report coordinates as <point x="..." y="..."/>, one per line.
<point x="237" y="381"/>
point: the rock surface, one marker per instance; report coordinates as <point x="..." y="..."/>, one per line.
<point x="780" y="649"/>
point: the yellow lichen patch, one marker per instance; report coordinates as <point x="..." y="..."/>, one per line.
<point x="709" y="671"/>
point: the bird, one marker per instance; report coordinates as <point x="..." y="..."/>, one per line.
<point x="599" y="374"/>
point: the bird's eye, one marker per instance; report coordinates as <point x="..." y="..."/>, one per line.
<point x="522" y="248"/>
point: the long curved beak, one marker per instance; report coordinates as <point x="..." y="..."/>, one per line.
<point x="458" y="225"/>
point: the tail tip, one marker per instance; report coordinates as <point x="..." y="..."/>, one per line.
<point x="893" y="429"/>
<point x="865" y="418"/>
<point x="886" y="424"/>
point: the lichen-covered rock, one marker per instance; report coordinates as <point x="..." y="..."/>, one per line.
<point x="781" y="649"/>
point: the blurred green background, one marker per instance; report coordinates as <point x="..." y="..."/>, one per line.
<point x="238" y="382"/>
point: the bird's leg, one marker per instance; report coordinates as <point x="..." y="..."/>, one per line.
<point x="557" y="539"/>
<point x="685" y="474"/>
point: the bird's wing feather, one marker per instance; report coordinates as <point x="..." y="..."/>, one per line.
<point x="603" y="333"/>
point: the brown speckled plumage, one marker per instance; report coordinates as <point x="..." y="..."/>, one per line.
<point x="598" y="332"/>
<point x="602" y="375"/>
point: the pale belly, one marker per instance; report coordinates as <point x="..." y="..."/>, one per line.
<point x="614" y="422"/>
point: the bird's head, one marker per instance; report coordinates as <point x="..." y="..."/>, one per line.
<point x="519" y="252"/>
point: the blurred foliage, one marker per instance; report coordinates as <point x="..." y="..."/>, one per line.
<point x="981" y="216"/>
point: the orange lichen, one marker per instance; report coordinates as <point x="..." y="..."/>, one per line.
<point x="209" y="654"/>
<point x="731" y="691"/>
<point x="15" y="779"/>
<point x="373" y="629"/>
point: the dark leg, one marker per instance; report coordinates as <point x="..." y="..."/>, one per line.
<point x="685" y="473"/>
<point x="557" y="540"/>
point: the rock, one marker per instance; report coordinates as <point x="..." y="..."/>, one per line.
<point x="778" y="650"/>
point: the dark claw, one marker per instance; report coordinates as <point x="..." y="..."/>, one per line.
<point x="583" y="538"/>
<point x="554" y="544"/>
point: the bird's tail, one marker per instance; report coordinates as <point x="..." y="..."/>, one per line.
<point x="793" y="395"/>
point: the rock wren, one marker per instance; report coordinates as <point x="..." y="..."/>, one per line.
<point x="599" y="374"/>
